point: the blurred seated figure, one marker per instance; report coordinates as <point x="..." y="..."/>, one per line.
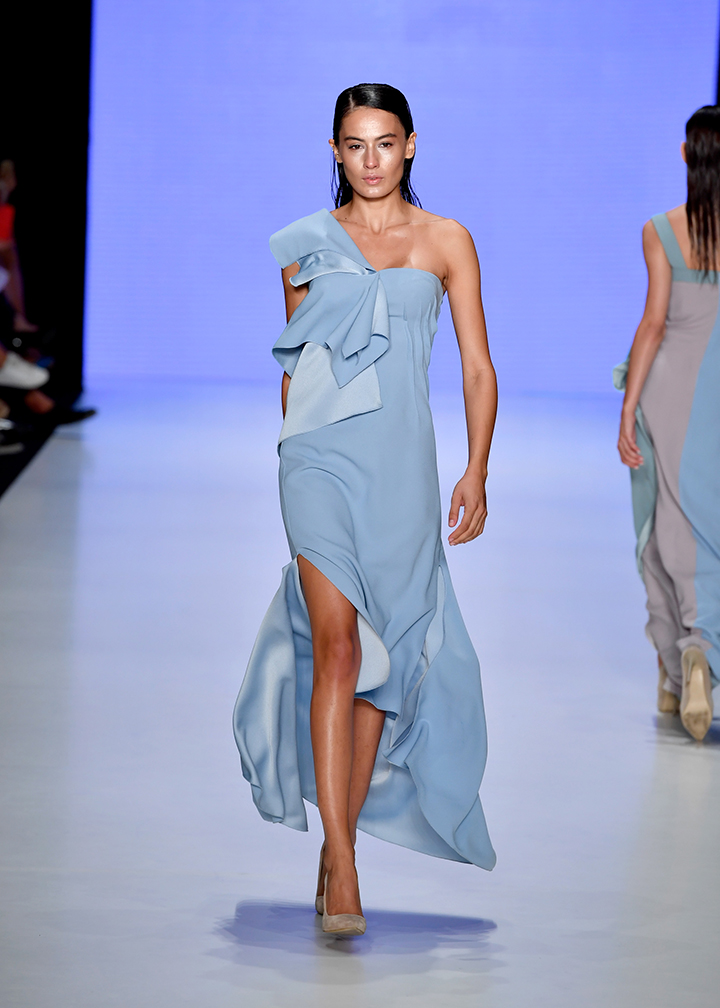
<point x="20" y="376"/>
<point x="20" y="379"/>
<point x="8" y="252"/>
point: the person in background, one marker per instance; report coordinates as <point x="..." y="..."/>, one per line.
<point x="8" y="251"/>
<point x="670" y="433"/>
<point x="16" y="373"/>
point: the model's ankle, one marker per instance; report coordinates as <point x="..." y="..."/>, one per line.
<point x="339" y="857"/>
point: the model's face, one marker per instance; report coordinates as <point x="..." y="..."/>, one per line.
<point x="372" y="149"/>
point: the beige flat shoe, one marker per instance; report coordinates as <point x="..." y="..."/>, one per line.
<point x="696" y="704"/>
<point x="667" y="702"/>
<point x="320" y="897"/>
<point x="342" y="925"/>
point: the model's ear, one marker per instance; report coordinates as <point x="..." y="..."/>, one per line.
<point x="683" y="151"/>
<point x="410" y="145"/>
<point x="335" y="151"/>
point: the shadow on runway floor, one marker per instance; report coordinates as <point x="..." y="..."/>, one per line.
<point x="282" y="928"/>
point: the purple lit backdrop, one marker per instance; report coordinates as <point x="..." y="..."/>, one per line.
<point x="550" y="128"/>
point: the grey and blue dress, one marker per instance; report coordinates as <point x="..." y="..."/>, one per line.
<point x="676" y="492"/>
<point x="360" y="501"/>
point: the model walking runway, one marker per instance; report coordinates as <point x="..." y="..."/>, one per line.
<point x="670" y="435"/>
<point x="363" y="690"/>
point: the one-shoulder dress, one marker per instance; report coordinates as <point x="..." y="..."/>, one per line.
<point x="676" y="492"/>
<point x="360" y="500"/>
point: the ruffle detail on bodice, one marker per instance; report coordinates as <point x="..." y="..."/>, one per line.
<point x="326" y="261"/>
<point x="338" y="331"/>
<point x="348" y="316"/>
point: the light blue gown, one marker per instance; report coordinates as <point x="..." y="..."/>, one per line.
<point x="360" y="501"/>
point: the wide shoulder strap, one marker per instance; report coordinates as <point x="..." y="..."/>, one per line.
<point x="299" y="238"/>
<point x="669" y="241"/>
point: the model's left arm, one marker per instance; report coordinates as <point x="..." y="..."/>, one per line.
<point x="462" y="283"/>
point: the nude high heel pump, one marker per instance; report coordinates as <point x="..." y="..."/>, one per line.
<point x="696" y="704"/>
<point x="342" y="925"/>
<point x="667" y="702"/>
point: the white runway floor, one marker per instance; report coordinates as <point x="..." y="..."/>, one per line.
<point x="137" y="557"/>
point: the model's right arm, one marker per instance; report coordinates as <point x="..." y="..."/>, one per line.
<point x="649" y="336"/>
<point x="293" y="297"/>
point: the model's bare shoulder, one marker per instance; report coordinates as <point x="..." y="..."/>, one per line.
<point x="656" y="258"/>
<point x="677" y="214"/>
<point x="435" y="222"/>
<point x="650" y="237"/>
<point x="447" y="225"/>
<point x="456" y="241"/>
<point x="455" y="231"/>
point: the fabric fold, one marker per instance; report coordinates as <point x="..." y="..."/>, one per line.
<point x="643" y="480"/>
<point x="315" y="398"/>
<point x="323" y="261"/>
<point x="353" y="304"/>
<point x="356" y="324"/>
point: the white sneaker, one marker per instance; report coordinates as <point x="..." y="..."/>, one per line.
<point x="19" y="373"/>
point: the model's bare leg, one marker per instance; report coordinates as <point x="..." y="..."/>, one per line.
<point x="336" y="664"/>
<point x="367" y="729"/>
<point x="368" y="724"/>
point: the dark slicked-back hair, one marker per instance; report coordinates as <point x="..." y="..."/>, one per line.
<point x="702" y="153"/>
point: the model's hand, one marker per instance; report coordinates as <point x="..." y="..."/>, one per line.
<point x="627" y="445"/>
<point x="469" y="494"/>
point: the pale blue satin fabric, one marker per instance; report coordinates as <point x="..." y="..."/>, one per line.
<point x="355" y="322"/>
<point x="360" y="500"/>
